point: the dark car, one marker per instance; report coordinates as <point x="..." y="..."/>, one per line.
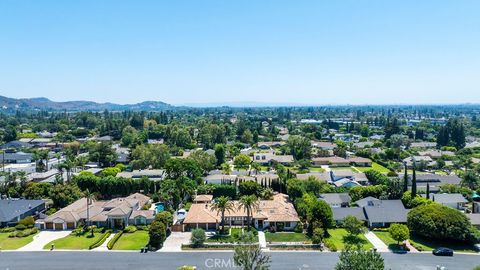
<point x="442" y="251"/>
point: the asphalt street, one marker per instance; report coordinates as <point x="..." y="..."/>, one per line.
<point x="212" y="260"/>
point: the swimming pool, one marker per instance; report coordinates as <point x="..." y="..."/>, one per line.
<point x="159" y="207"/>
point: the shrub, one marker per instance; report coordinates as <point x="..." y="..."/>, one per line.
<point x="114" y="240"/>
<point x="27" y="222"/>
<point x="130" y="229"/>
<point x="142" y="228"/>
<point x="165" y="217"/>
<point x="198" y="237"/>
<point x="439" y="222"/>
<point x="100" y="240"/>
<point x="399" y="232"/>
<point x="50" y="211"/>
<point x="20" y="227"/>
<point x="330" y="245"/>
<point x="317" y="236"/>
<point x="7" y="230"/>
<point x="298" y="228"/>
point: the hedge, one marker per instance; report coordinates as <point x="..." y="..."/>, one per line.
<point x="100" y="241"/>
<point x="114" y="240"/>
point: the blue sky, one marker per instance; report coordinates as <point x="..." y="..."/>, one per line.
<point x="315" y="52"/>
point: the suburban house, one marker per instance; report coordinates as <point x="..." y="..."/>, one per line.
<point x="154" y="175"/>
<point x="474" y="219"/>
<point x="376" y="213"/>
<point x="342" y="162"/>
<point x="347" y="178"/>
<point x="336" y="199"/>
<point x="268" y="158"/>
<point x="423" y="145"/>
<point x="15" y="145"/>
<point x="278" y="213"/>
<point x="324" y="145"/>
<point x="434" y="180"/>
<point x="269" y="145"/>
<point x="13" y="210"/>
<point x="115" y="213"/>
<point x="453" y="200"/>
<point x="203" y="198"/>
<point x="16" y="158"/>
<point x="320" y="176"/>
<point x="428" y="161"/>
<point x="436" y="153"/>
<point x="340" y="213"/>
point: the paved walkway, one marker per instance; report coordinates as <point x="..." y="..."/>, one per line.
<point x="104" y="247"/>
<point x="43" y="238"/>
<point x="174" y="242"/>
<point x="376" y="242"/>
<point x="262" y="240"/>
<point x="410" y="247"/>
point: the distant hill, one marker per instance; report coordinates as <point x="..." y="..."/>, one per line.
<point x="41" y="103"/>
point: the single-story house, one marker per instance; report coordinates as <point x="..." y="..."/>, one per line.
<point x="324" y="145"/>
<point x="364" y="202"/>
<point x="453" y="200"/>
<point x="115" y="213"/>
<point x="331" y="161"/>
<point x="268" y="145"/>
<point x="434" y="180"/>
<point x="423" y="145"/>
<point x="16" y="145"/>
<point x="419" y="159"/>
<point x="320" y="176"/>
<point x="474" y="219"/>
<point x="336" y="199"/>
<point x="16" y="158"/>
<point x="268" y="158"/>
<point x="13" y="210"/>
<point x="278" y="212"/>
<point x="382" y="213"/>
<point x="360" y="162"/>
<point x="436" y="153"/>
<point x="340" y="213"/>
<point x="154" y="175"/>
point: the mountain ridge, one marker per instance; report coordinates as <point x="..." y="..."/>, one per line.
<point x="43" y="103"/>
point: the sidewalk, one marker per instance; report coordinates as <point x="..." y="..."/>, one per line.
<point x="262" y="240"/>
<point x="43" y="238"/>
<point x="376" y="242"/>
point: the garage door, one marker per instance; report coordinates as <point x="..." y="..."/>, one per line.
<point x="58" y="226"/>
<point x="49" y="226"/>
<point x="70" y="226"/>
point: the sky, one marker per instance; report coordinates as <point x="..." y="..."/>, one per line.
<point x="222" y="51"/>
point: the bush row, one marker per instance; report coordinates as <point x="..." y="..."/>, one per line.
<point x="23" y="233"/>
<point x="100" y="241"/>
<point x="114" y="240"/>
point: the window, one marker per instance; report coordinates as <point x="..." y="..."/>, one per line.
<point x="287" y="224"/>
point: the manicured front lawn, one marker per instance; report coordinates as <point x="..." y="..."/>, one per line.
<point x="317" y="169"/>
<point x="12" y="243"/>
<point x="286" y="237"/>
<point x="75" y="242"/>
<point x="337" y="236"/>
<point x="132" y="241"/>
<point x="384" y="235"/>
<point x="341" y="168"/>
<point x="424" y="244"/>
<point x="375" y="166"/>
<point x="225" y="238"/>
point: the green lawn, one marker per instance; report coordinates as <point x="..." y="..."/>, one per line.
<point x="225" y="238"/>
<point x="7" y="243"/>
<point x="429" y="244"/>
<point x="286" y="237"/>
<point x="384" y="235"/>
<point x="337" y="236"/>
<point x="317" y="169"/>
<point x="132" y="241"/>
<point x="375" y="166"/>
<point x="342" y="168"/>
<point x="74" y="242"/>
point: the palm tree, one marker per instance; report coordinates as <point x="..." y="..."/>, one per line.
<point x="222" y="204"/>
<point x="249" y="203"/>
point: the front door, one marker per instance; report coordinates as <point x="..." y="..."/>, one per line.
<point x="260" y="224"/>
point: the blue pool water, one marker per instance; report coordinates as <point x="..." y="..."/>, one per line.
<point x="159" y="207"/>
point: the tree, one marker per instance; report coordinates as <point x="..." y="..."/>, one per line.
<point x="249" y="203"/>
<point x="399" y="232"/>
<point x="178" y="167"/>
<point x="249" y="188"/>
<point x="103" y="153"/>
<point x="221" y="205"/>
<point x="242" y="161"/>
<point x="10" y="133"/>
<point x="358" y="259"/>
<point x="414" y="182"/>
<point x="353" y="225"/>
<point x="295" y="188"/>
<point x="300" y="147"/>
<point x="470" y="180"/>
<point x="249" y="255"/>
<point x="198" y="237"/>
<point x="376" y="177"/>
<point x="150" y="156"/>
<point x="158" y="234"/>
<point x="435" y="221"/>
<point x="165" y="217"/>
<point x="220" y="152"/>
<point x="63" y="195"/>
<point x="319" y="214"/>
<point x="206" y="162"/>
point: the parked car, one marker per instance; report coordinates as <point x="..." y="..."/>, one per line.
<point x="476" y="247"/>
<point x="442" y="251"/>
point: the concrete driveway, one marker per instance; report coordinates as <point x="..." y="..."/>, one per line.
<point x="43" y="238"/>
<point x="175" y="240"/>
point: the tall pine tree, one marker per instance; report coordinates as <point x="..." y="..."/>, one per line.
<point x="414" y="182"/>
